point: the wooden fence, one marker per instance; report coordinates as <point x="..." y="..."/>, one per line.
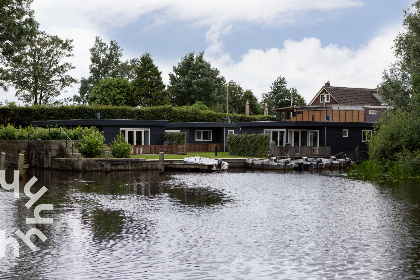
<point x="300" y="151"/>
<point x="174" y="149"/>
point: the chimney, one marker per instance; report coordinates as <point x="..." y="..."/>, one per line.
<point x="327" y="84"/>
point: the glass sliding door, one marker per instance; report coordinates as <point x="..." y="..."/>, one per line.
<point x="314" y="138"/>
<point x="130" y="137"/>
<point x="136" y="136"/>
<point x="277" y="136"/>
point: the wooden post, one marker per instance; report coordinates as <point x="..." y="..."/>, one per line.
<point x="21" y="162"/>
<point x="161" y="162"/>
<point x="3" y="161"/>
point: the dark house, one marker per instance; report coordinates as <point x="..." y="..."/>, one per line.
<point x="338" y="119"/>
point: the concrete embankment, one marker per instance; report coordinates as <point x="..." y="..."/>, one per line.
<point x="53" y="154"/>
<point x="126" y="164"/>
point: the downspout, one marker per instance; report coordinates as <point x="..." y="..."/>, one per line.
<point x="224" y="139"/>
<point x="325" y="136"/>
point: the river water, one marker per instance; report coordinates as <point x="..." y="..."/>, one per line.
<point x="231" y="225"/>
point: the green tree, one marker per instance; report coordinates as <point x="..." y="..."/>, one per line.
<point x="40" y="74"/>
<point x="237" y="100"/>
<point x="148" y="88"/>
<point x="17" y="27"/>
<point x="255" y="107"/>
<point x="397" y="134"/>
<point x="280" y="96"/>
<point x="105" y="63"/>
<point x="401" y="83"/>
<point x="195" y="80"/>
<point x="111" y="91"/>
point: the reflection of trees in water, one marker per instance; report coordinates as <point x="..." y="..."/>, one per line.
<point x="105" y="224"/>
<point x="198" y="197"/>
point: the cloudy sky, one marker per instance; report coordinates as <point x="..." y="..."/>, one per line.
<point x="252" y="42"/>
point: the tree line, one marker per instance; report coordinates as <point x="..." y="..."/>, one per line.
<point x="395" y="144"/>
<point x="36" y="64"/>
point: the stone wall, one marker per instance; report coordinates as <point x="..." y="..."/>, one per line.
<point x="38" y="153"/>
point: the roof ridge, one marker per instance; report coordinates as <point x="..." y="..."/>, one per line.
<point x="350" y="87"/>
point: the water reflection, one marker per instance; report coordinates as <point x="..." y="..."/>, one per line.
<point x="235" y="225"/>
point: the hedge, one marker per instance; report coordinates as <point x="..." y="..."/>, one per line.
<point x="178" y="137"/>
<point x="251" y="145"/>
<point x="24" y="116"/>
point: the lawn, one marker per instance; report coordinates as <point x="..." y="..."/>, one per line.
<point x="193" y="154"/>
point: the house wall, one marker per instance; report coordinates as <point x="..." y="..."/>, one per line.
<point x="334" y="116"/>
<point x="217" y="135"/>
<point x="156" y="133"/>
<point x="317" y="100"/>
<point x="339" y="143"/>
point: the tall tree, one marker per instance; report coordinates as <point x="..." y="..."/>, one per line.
<point x="147" y="87"/>
<point x="280" y="96"/>
<point x="195" y="80"/>
<point x="402" y="81"/>
<point x="237" y="98"/>
<point x="17" y="28"/>
<point x="111" y="91"/>
<point x="397" y="134"/>
<point x="40" y="74"/>
<point x="105" y="63"/>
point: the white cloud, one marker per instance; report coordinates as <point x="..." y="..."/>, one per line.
<point x="203" y="12"/>
<point x="307" y="65"/>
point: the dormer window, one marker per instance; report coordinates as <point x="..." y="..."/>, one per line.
<point x="325" y="97"/>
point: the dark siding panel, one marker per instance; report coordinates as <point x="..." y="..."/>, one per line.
<point x="339" y="143"/>
<point x="156" y="133"/>
<point x="110" y="132"/>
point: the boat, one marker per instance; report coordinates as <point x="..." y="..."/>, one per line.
<point x="214" y="164"/>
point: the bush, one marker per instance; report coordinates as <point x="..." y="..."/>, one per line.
<point x="91" y="144"/>
<point x="120" y="148"/>
<point x="179" y="137"/>
<point x="24" y="116"/>
<point x="251" y="145"/>
<point x="8" y="132"/>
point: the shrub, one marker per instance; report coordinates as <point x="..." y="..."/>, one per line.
<point x="91" y="144"/>
<point x="251" y="145"/>
<point x="120" y="148"/>
<point x="8" y="132"/>
<point x="24" y="116"/>
<point x="179" y="137"/>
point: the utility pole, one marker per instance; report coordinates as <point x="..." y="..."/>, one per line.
<point x="227" y="98"/>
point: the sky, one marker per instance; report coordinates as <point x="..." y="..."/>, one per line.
<point x="252" y="42"/>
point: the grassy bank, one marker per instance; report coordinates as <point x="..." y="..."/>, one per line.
<point x="193" y="154"/>
<point x="371" y="171"/>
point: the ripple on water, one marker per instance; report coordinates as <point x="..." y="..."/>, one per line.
<point x="224" y="226"/>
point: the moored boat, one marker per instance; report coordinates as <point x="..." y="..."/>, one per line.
<point x="217" y="164"/>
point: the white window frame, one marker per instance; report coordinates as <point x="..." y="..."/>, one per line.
<point x="270" y="132"/>
<point x="345" y="132"/>
<point x="136" y="142"/>
<point x="325" y="96"/>
<point x="201" y="135"/>
<point x="309" y="138"/>
<point x="373" y="112"/>
<point x="230" y="132"/>
<point x="291" y="136"/>
<point x="365" y="133"/>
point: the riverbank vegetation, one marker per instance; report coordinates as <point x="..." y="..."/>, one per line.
<point x="394" y="149"/>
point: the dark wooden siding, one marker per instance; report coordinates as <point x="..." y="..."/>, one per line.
<point x="156" y="133"/>
<point x="339" y="143"/>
